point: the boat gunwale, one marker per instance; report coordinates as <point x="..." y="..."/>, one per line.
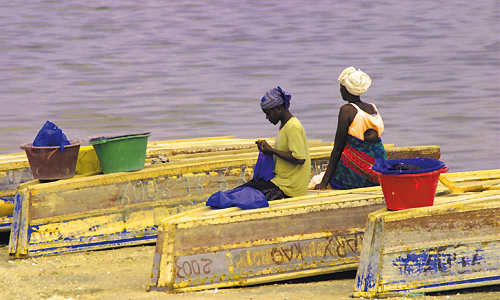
<point x="453" y="281"/>
<point x="169" y="169"/>
<point x="290" y="204"/>
<point x="458" y="205"/>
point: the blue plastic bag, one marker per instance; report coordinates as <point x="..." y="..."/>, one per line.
<point x="49" y="136"/>
<point x="264" y="168"/>
<point x="244" y="197"/>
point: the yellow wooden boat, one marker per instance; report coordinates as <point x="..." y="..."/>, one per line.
<point x="109" y="210"/>
<point x="451" y="245"/>
<point x="15" y="168"/>
<point x="305" y="236"/>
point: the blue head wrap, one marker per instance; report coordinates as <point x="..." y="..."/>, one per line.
<point x="274" y="98"/>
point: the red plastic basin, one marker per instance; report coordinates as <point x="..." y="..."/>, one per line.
<point x="410" y="190"/>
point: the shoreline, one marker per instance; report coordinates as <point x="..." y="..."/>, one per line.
<point x="124" y="273"/>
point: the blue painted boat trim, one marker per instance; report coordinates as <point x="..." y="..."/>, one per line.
<point x="14" y="231"/>
<point x="5" y="225"/>
<point x="89" y="246"/>
<point x="493" y="279"/>
<point x="98" y="245"/>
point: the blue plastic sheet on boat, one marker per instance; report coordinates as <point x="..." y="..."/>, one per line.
<point x="425" y="165"/>
<point x="244" y="197"/>
<point x="264" y="168"/>
<point x="50" y="136"/>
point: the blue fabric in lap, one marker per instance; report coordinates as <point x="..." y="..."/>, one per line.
<point x="264" y="168"/>
<point x="49" y="136"/>
<point x="244" y="197"/>
<point x="426" y="165"/>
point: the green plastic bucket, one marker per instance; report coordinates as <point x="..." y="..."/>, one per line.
<point x="121" y="153"/>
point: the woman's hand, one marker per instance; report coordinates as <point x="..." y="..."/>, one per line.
<point x="321" y="187"/>
<point x="287" y="156"/>
<point x="265" y="147"/>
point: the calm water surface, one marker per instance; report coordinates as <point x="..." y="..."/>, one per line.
<point x="185" y="69"/>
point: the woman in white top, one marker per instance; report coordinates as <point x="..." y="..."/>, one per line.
<point x="357" y="140"/>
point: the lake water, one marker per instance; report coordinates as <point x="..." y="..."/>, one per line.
<point x="186" y="69"/>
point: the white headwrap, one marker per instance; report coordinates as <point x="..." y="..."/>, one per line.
<point x="355" y="81"/>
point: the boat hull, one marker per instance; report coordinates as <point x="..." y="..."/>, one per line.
<point x="101" y="211"/>
<point x="307" y="236"/>
<point x="448" y="246"/>
<point x="15" y="168"/>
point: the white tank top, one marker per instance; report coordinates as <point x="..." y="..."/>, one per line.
<point x="364" y="121"/>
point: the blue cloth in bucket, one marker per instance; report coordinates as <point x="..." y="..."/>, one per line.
<point x="425" y="165"/>
<point x="49" y="136"/>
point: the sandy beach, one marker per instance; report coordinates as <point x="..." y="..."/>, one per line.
<point x="124" y="273"/>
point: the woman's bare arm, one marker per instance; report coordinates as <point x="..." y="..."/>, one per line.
<point x="346" y="115"/>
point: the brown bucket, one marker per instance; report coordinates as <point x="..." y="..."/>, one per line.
<point x="48" y="163"/>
